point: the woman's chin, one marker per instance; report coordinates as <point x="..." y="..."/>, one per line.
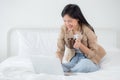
<point x="70" y="29"/>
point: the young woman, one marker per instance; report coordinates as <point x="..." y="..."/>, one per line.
<point x="78" y="39"/>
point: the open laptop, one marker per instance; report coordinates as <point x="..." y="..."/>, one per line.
<point x="47" y="65"/>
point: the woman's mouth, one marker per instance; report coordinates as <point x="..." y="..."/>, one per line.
<point x="70" y="27"/>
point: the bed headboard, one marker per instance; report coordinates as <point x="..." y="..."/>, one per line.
<point x="33" y="41"/>
<point x="43" y="40"/>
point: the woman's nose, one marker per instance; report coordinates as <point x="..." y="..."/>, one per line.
<point x="66" y="23"/>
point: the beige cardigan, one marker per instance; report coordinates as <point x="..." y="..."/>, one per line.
<point x="89" y="39"/>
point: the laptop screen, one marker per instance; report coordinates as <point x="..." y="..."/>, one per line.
<point x="47" y="65"/>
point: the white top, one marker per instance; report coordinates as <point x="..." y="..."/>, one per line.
<point x="75" y="37"/>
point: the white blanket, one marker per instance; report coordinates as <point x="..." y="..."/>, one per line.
<point x="20" y="68"/>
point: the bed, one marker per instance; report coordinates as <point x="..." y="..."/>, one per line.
<point x="25" y="42"/>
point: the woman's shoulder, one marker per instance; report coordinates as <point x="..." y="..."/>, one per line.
<point x="63" y="28"/>
<point x="85" y="28"/>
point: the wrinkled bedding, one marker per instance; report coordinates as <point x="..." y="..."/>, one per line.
<point x="21" y="68"/>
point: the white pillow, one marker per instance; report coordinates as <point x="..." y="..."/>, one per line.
<point x="111" y="58"/>
<point x="36" y="42"/>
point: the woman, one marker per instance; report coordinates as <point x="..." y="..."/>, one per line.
<point x="78" y="39"/>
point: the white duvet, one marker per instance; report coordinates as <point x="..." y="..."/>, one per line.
<point x="21" y="68"/>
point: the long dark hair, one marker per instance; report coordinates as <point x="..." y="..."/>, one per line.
<point x="75" y="12"/>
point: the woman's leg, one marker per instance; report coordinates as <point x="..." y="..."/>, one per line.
<point x="72" y="63"/>
<point x="85" y="65"/>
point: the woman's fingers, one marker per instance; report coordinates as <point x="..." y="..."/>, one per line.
<point x="77" y="43"/>
<point x="77" y="40"/>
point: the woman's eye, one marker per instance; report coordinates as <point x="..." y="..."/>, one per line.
<point x="69" y="21"/>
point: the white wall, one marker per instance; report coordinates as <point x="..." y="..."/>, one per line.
<point x="47" y="13"/>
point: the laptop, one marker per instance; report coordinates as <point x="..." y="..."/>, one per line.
<point x="47" y="65"/>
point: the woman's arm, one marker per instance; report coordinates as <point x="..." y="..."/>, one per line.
<point x="61" y="44"/>
<point x="90" y="50"/>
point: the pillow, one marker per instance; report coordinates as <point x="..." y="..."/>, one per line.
<point x="111" y="58"/>
<point x="107" y="38"/>
<point x="37" y="42"/>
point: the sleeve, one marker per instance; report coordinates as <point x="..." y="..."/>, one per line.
<point x="61" y="43"/>
<point x="92" y="44"/>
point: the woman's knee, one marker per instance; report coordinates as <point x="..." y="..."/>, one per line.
<point x="89" y="65"/>
<point x="85" y="65"/>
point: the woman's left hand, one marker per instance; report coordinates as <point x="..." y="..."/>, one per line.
<point x="77" y="43"/>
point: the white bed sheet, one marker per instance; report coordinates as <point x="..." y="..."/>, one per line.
<point x="20" y="68"/>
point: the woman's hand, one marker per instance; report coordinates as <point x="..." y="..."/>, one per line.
<point x="78" y="38"/>
<point x="77" y="43"/>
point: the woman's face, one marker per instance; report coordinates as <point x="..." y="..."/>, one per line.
<point x="70" y="23"/>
